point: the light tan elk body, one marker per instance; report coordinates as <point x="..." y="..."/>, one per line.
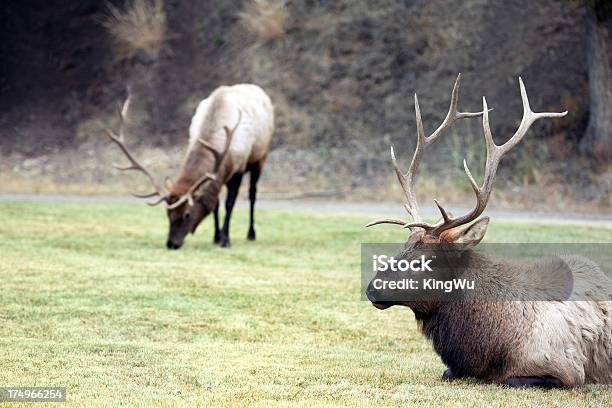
<point x="230" y="135"/>
<point x="518" y="343"/>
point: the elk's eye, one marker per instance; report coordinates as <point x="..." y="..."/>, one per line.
<point x="186" y="216"/>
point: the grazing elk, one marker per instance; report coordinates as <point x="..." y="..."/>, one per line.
<point x="229" y="135"/>
<point x="519" y="343"/>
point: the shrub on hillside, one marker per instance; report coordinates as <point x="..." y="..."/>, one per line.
<point x="140" y="26"/>
<point x="265" y="19"/>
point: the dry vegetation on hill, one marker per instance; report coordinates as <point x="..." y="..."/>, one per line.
<point x="140" y="26"/>
<point x="265" y="19"/>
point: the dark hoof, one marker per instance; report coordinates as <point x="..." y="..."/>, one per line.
<point x="224" y="242"/>
<point x="217" y="239"/>
<point x="251" y="235"/>
<point x="448" y="375"/>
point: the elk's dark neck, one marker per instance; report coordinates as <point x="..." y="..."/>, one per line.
<point x="499" y="280"/>
<point x="198" y="162"/>
<point x="487" y="273"/>
<point x="210" y="194"/>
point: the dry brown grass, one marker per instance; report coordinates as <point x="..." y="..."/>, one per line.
<point x="265" y="19"/>
<point x="140" y="26"/>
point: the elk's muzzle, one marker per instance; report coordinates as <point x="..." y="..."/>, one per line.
<point x="172" y="245"/>
<point x="374" y="296"/>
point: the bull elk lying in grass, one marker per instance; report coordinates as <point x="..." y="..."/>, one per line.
<point x="518" y="343"/>
<point x="230" y="135"/>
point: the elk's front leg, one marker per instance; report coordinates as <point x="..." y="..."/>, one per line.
<point x="448" y="375"/>
<point x="233" y="185"/>
<point x="217" y="236"/>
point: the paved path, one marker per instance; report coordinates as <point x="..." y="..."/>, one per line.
<point x="339" y="207"/>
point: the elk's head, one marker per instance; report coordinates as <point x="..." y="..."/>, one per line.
<point x="451" y="235"/>
<point x="186" y="210"/>
<point x="187" y="202"/>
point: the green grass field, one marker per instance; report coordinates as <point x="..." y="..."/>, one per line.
<point x="92" y="301"/>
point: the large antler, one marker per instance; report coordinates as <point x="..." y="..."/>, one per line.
<point x="134" y="165"/>
<point x="494" y="155"/>
<point x="219" y="157"/>
<point x="408" y="180"/>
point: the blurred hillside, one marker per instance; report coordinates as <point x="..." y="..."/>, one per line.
<point x="341" y="75"/>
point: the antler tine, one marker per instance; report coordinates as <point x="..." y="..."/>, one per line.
<point x="228" y="139"/>
<point x="445" y="216"/>
<point x="408" y="179"/>
<point x="149" y="195"/>
<point x="529" y="117"/>
<point x="452" y="115"/>
<point x="156" y="202"/>
<point x="134" y="164"/>
<point x="208" y="146"/>
<point x="494" y="155"/>
<point x="386" y="221"/>
<point x="219" y="156"/>
<point x="119" y="140"/>
<point x="178" y="202"/>
<point x="122" y="114"/>
<point x="415" y="162"/>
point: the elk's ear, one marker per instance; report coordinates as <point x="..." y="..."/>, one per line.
<point x="467" y="237"/>
<point x="169" y="184"/>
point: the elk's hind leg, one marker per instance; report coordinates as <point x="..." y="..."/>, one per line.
<point x="233" y="185"/>
<point x="217" y="236"/>
<point x="527" y="382"/>
<point x="255" y="170"/>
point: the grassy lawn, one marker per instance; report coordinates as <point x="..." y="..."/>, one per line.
<point x="92" y="301"/>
